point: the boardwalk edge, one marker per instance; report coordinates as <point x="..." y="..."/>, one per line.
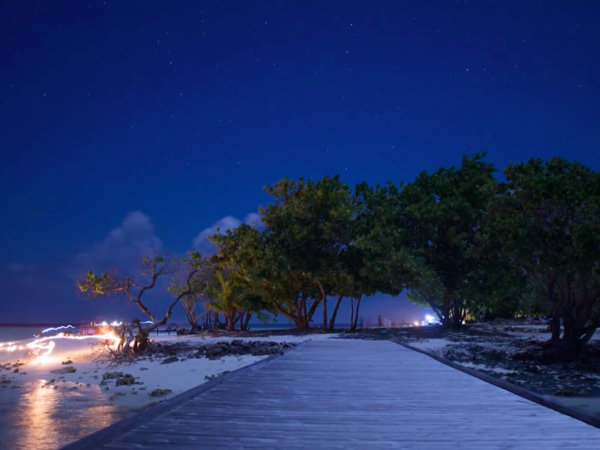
<point x="100" y="438"/>
<point x="590" y="419"/>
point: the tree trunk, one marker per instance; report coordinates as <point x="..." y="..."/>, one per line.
<point x="246" y="321"/>
<point x="303" y="310"/>
<point x="216" y="320"/>
<point x="335" y="311"/>
<point x="298" y="320"/>
<point x="311" y="311"/>
<point x="230" y="322"/>
<point x="127" y="338"/>
<point x="324" y="304"/>
<point x="447" y="321"/>
<point x="353" y="326"/>
<point x="555" y="327"/>
<point x="567" y="349"/>
<point x="192" y="320"/>
<point x="457" y="315"/>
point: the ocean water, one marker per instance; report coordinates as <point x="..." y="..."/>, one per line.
<point x="20" y="333"/>
<point x="33" y="417"/>
<point x="17" y="333"/>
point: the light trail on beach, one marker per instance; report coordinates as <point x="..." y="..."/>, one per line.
<point x="42" y="348"/>
<point x="64" y="327"/>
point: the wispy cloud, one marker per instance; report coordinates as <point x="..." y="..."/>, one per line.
<point x="201" y="241"/>
<point x="123" y="246"/>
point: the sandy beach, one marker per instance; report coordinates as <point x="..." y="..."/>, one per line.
<point x="88" y="391"/>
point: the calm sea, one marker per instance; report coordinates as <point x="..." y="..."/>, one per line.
<point x="17" y="333"/>
<point x="32" y="417"/>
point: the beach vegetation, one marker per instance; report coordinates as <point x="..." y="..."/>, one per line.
<point x="457" y="240"/>
<point x="547" y="216"/>
<point x="133" y="288"/>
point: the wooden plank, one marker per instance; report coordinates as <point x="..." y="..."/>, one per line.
<point x="338" y="394"/>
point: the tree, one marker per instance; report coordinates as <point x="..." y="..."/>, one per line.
<point x="263" y="268"/>
<point x="225" y="298"/>
<point x="199" y="284"/>
<point x="498" y="291"/>
<point x="190" y="305"/>
<point x="353" y="276"/>
<point x="153" y="267"/>
<point x="425" y="236"/>
<point x="311" y="223"/>
<point x="374" y="265"/>
<point x="547" y="215"/>
<point x="293" y="264"/>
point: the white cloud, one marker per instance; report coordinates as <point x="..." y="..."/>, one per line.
<point x="253" y="218"/>
<point x="123" y="246"/>
<point x="226" y="223"/>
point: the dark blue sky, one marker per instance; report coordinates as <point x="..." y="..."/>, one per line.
<point x="129" y="126"/>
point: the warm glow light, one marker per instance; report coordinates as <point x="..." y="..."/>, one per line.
<point x="416" y="324"/>
<point x="43" y="347"/>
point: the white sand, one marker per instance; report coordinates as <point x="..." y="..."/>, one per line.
<point x="431" y="344"/>
<point x="178" y="376"/>
<point x="484" y="368"/>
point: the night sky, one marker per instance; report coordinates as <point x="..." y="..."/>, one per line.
<point x="131" y="126"/>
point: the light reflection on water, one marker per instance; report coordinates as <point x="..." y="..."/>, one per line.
<point x="36" y="418"/>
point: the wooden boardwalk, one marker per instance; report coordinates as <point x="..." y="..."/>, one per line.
<point x="355" y="394"/>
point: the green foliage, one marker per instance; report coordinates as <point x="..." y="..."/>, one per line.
<point x="443" y="213"/>
<point x="225" y="297"/>
<point x="192" y="289"/>
<point x="308" y="228"/>
<point x="152" y="268"/>
<point x="378" y="239"/>
<point x="455" y="238"/>
<point x="311" y="222"/>
<point x="95" y="284"/>
<point x="547" y="216"/>
<point x="425" y="236"/>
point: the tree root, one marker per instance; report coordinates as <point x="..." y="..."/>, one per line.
<point x="104" y="355"/>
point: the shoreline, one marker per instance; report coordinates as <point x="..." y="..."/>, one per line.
<point x="87" y="394"/>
